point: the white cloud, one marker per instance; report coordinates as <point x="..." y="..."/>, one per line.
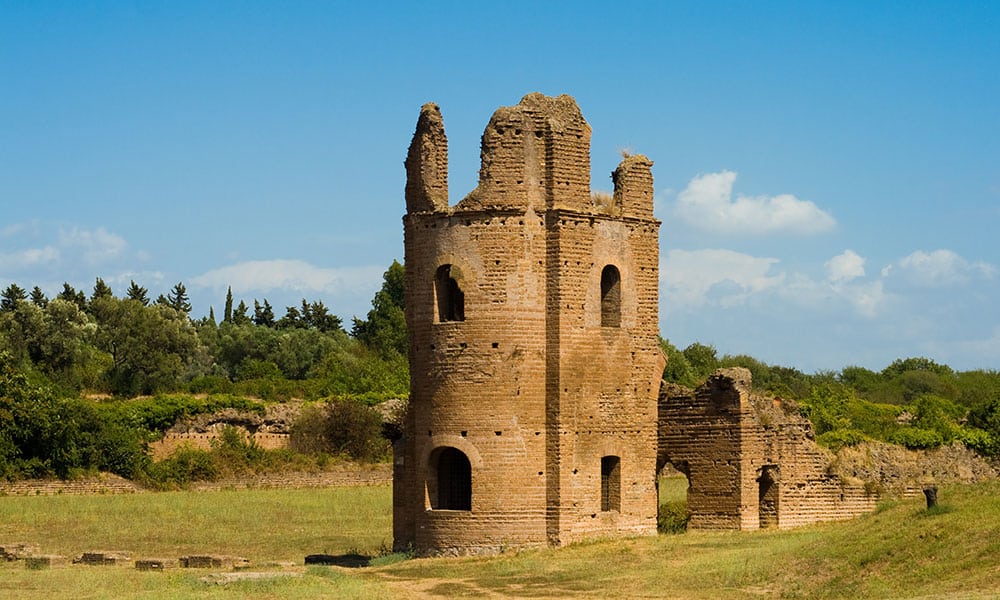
<point x="689" y="275"/>
<point x="94" y="246"/>
<point x="844" y="267"/>
<point x="32" y="257"/>
<point x="298" y="275"/>
<point x="940" y="268"/>
<point x="866" y="297"/>
<point x="707" y="203"/>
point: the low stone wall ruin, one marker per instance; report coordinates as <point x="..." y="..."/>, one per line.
<point x="751" y="462"/>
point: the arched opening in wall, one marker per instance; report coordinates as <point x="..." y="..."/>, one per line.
<point x="673" y="482"/>
<point x="768" y="496"/>
<point x="449" y="485"/>
<point x="448" y="295"/>
<point x="611" y="483"/>
<point x="611" y="297"/>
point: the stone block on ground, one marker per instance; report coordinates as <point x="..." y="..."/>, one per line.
<point x="213" y="561"/>
<point x="155" y="564"/>
<point x="103" y="558"/>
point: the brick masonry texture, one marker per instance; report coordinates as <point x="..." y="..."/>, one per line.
<point x="751" y="462"/>
<point x="534" y="357"/>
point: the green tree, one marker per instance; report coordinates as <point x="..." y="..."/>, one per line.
<point x="69" y="294"/>
<point x="227" y="315"/>
<point x="677" y="370"/>
<point x="240" y="316"/>
<point x="177" y="299"/>
<point x="702" y="359"/>
<point x="263" y="314"/>
<point x="37" y="297"/>
<point x="101" y="290"/>
<point x="321" y="319"/>
<point x="292" y="319"/>
<point x="385" y="328"/>
<point x="149" y="345"/>
<point x="11" y="296"/>
<point x="138" y="293"/>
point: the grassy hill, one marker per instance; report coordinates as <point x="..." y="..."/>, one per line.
<point x="902" y="551"/>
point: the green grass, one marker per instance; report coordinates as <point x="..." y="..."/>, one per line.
<point x="901" y="551"/>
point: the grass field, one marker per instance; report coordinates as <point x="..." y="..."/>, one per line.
<point x="902" y="551"/>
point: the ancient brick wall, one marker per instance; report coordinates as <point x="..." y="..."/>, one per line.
<point x="171" y="441"/>
<point x="534" y="362"/>
<point x="750" y="461"/>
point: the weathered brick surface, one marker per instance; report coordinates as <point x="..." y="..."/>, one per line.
<point x="105" y="483"/>
<point x="532" y="387"/>
<point x="749" y="462"/>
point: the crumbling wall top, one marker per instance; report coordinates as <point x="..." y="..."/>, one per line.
<point x="427" y="163"/>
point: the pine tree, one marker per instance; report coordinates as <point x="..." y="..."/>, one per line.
<point x="177" y="298"/>
<point x="101" y="290"/>
<point x="70" y="294"/>
<point x="38" y="298"/>
<point x="321" y="319"/>
<point x="227" y="315"/>
<point x="291" y="319"/>
<point x="138" y="293"/>
<point x="11" y="296"/>
<point x="263" y="314"/>
<point x="240" y="314"/>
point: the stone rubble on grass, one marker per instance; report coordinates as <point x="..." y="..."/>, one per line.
<point x="213" y="561"/>
<point x="18" y="551"/>
<point x="103" y="558"/>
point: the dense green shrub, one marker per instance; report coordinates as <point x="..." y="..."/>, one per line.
<point x="341" y="427"/>
<point x="838" y="438"/>
<point x="915" y="438"/>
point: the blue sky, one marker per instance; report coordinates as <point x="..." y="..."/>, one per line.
<point x="828" y="174"/>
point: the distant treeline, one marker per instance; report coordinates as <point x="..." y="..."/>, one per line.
<point x="128" y="345"/>
<point x="72" y="367"/>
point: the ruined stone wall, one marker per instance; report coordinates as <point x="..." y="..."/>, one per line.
<point x="171" y="441"/>
<point x="526" y="380"/>
<point x="751" y="462"/>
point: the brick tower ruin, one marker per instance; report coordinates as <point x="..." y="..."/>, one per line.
<point x="531" y="307"/>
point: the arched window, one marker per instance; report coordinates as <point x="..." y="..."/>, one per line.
<point x="611" y="297"/>
<point x="449" y="297"/>
<point x="611" y="483"/>
<point x="768" y="496"/>
<point x="450" y="483"/>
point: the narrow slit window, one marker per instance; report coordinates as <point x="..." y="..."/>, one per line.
<point x="449" y="296"/>
<point x="611" y="483"/>
<point x="611" y="297"/>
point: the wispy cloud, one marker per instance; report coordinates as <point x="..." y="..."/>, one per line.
<point x="940" y="268"/>
<point x="690" y="275"/>
<point x="31" y="257"/>
<point x="297" y="275"/>
<point x="95" y="246"/>
<point x="707" y="204"/>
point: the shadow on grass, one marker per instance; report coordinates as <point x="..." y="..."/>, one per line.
<point x="351" y="560"/>
<point x="355" y="560"/>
